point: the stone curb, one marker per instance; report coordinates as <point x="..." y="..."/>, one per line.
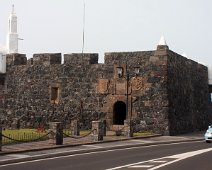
<point x="58" y="154"/>
<point x="73" y="145"/>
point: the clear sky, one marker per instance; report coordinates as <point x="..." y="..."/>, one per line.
<point x="111" y="26"/>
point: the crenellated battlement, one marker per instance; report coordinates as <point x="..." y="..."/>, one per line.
<point x="79" y="58"/>
<point x="47" y="59"/>
<point x="16" y="59"/>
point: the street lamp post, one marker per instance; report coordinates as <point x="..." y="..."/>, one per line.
<point x="127" y="77"/>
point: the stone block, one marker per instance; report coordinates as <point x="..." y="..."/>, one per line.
<point x="128" y="130"/>
<point x="102" y="86"/>
<point x="56" y="135"/>
<point x="121" y="88"/>
<point x="75" y="130"/>
<point x="97" y="128"/>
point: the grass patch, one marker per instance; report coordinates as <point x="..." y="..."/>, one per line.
<point x="24" y="135"/>
<point x="21" y="135"/>
<point x="82" y="132"/>
<point x="27" y="135"/>
<point x="144" y="133"/>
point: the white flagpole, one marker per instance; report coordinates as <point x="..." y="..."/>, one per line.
<point x="83" y="34"/>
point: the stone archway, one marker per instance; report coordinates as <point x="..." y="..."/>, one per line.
<point x="119" y="113"/>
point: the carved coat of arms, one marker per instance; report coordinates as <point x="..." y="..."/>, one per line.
<point x="137" y="83"/>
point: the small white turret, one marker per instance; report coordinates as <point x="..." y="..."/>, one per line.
<point x="162" y="41"/>
<point x="184" y="55"/>
<point x="209" y="74"/>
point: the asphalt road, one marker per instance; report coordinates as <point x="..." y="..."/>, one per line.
<point x="200" y="162"/>
<point x="144" y="157"/>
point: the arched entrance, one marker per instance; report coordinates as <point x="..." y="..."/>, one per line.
<point x="119" y="113"/>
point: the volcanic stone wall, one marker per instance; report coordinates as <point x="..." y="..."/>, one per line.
<point x="28" y="89"/>
<point x="188" y="95"/>
<point x="170" y="97"/>
<point x="149" y="103"/>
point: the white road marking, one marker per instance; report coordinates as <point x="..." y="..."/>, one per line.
<point x="90" y="153"/>
<point x="18" y="156"/>
<point x="177" y="157"/>
<point x="129" y="165"/>
<point x="141" y="166"/>
<point x="180" y="157"/>
<point x="158" y="161"/>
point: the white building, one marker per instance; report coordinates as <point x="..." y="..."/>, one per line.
<point x="12" y="36"/>
<point x="2" y="62"/>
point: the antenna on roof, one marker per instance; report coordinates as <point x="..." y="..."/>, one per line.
<point x="83" y="34"/>
<point x="13" y="9"/>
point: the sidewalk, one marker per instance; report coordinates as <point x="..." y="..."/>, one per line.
<point x="42" y="150"/>
<point x="67" y="142"/>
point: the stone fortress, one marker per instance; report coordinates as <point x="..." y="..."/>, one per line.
<point x="158" y="90"/>
<point x="168" y="92"/>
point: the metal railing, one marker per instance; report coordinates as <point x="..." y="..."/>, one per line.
<point x="22" y="138"/>
<point x="34" y="137"/>
<point x="78" y="137"/>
